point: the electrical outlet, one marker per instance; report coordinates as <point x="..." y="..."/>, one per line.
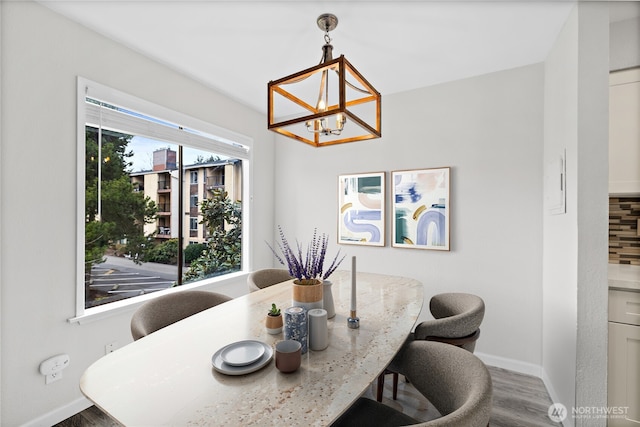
<point x="53" y="377"/>
<point x="110" y="348"/>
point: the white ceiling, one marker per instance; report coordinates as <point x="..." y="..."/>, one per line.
<point x="237" y="46"/>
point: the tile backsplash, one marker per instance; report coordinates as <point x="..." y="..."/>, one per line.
<point x="624" y="241"/>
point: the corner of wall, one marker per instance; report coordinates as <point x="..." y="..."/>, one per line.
<point x="1" y="240"/>
<point x="568" y="422"/>
<point x="559" y="282"/>
<point x="593" y="206"/>
<point x="575" y="244"/>
<point x="511" y="364"/>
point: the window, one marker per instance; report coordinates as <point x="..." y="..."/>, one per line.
<point x="137" y="159"/>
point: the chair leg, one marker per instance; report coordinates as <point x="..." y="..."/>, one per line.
<point x="395" y="385"/>
<point x="380" y="387"/>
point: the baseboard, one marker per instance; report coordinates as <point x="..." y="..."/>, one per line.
<point x="60" y="414"/>
<point x="511" y="364"/>
<point x="568" y="422"/>
<point x="527" y="369"/>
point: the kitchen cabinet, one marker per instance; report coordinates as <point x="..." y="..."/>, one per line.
<point x="624" y="132"/>
<point x="624" y="358"/>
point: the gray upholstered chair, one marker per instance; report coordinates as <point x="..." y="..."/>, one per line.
<point x="261" y="279"/>
<point x="167" y="309"/>
<point x="455" y="381"/>
<point x="457" y="319"/>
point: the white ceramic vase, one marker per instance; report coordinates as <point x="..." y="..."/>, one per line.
<point x="327" y="299"/>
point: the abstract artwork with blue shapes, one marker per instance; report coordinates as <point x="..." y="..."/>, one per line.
<point x="361" y="209"/>
<point x="421" y="208"/>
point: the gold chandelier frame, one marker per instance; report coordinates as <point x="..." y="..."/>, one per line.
<point x="356" y="105"/>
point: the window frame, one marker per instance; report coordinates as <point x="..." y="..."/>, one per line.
<point x="224" y="141"/>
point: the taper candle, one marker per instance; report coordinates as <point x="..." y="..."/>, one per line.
<point x="353" y="284"/>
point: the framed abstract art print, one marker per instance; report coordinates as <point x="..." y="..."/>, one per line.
<point x="361" y="209"/>
<point x="421" y="208"/>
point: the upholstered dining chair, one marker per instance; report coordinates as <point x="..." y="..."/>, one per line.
<point x="261" y="279"/>
<point x="167" y="309"/>
<point x="457" y="319"/>
<point x="455" y="381"/>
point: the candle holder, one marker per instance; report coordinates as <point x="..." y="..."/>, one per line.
<point x="296" y="327"/>
<point x="353" y="321"/>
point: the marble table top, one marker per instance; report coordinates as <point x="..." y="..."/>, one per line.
<point x="167" y="378"/>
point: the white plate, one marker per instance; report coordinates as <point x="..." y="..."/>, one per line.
<point x="220" y="366"/>
<point x="242" y="353"/>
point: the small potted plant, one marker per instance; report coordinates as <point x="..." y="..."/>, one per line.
<point x="273" y="322"/>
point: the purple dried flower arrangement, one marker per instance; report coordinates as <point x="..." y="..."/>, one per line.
<point x="309" y="267"/>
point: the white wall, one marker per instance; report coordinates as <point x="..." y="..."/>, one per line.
<point x="561" y="231"/>
<point x="593" y="207"/>
<point x="1" y="239"/>
<point x="575" y="244"/>
<point x="488" y="129"/>
<point x="42" y="53"/>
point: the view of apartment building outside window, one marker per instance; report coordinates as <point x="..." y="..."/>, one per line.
<point x="147" y="201"/>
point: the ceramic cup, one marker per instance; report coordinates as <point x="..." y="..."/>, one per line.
<point x="288" y="355"/>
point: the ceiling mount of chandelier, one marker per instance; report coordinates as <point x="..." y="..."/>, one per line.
<point x="330" y="103"/>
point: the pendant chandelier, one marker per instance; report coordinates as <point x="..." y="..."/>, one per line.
<point x="330" y="103"/>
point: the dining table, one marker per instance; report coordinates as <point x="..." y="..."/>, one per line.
<point x="168" y="378"/>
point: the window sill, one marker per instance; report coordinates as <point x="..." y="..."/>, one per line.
<point x="130" y="305"/>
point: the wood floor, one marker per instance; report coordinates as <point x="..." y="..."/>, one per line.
<point x="91" y="416"/>
<point x="518" y="401"/>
